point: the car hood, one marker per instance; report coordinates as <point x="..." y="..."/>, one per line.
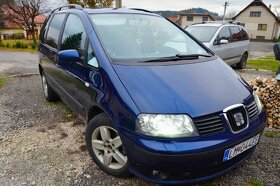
<point x="195" y="89"/>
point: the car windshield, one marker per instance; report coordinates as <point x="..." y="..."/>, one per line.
<point x="138" y="37"/>
<point x="202" y="33"/>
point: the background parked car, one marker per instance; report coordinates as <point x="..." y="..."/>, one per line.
<point x="229" y="41"/>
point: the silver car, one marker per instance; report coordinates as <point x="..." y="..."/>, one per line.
<point x="229" y="41"/>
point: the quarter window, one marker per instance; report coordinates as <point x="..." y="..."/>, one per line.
<point x="189" y="18"/>
<point x="74" y="35"/>
<point x="244" y="35"/>
<point x="255" y="14"/>
<point x="54" y="30"/>
<point x="91" y="59"/>
<point x="262" y="26"/>
<point x="235" y="33"/>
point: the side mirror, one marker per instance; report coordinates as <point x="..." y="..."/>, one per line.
<point x="223" y="41"/>
<point x="69" y="56"/>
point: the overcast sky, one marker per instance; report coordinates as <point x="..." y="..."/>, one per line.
<point x="211" y="5"/>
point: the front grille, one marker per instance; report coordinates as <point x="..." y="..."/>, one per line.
<point x="209" y="124"/>
<point x="252" y="110"/>
<point x="232" y="120"/>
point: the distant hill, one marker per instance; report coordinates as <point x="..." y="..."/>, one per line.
<point x="190" y="10"/>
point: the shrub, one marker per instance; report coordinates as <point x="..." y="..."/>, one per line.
<point x="24" y="45"/>
<point x="1" y="43"/>
<point x="8" y="45"/>
<point x="18" y="44"/>
<point x="33" y="46"/>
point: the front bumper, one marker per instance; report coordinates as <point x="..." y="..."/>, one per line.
<point x="186" y="160"/>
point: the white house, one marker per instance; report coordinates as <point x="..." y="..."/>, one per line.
<point x="260" y="22"/>
<point x="187" y="19"/>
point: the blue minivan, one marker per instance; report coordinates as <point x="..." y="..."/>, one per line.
<point x="157" y="102"/>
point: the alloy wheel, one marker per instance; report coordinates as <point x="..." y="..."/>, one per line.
<point x="107" y="147"/>
<point x="45" y="85"/>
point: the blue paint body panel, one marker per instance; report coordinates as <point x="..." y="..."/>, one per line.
<point x="124" y="91"/>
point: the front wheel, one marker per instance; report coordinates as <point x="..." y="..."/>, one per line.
<point x="105" y="146"/>
<point x="243" y="61"/>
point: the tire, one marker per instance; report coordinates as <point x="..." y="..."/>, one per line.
<point x="243" y="61"/>
<point x="108" y="152"/>
<point x="49" y="94"/>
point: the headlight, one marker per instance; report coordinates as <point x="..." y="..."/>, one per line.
<point x="165" y="125"/>
<point x="258" y="102"/>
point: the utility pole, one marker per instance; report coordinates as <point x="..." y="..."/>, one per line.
<point x="225" y="10"/>
<point x="118" y="3"/>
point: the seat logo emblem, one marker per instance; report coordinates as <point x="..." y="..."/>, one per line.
<point x="239" y="120"/>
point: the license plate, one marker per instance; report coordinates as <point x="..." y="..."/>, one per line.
<point x="241" y="147"/>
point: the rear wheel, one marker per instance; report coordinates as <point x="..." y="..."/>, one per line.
<point x="105" y="146"/>
<point x="243" y="61"/>
<point x="49" y="93"/>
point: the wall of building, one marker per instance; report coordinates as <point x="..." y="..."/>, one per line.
<point x="251" y="23"/>
<point x="196" y="19"/>
<point x="4" y="32"/>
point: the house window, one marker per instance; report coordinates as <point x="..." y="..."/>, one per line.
<point x="262" y="26"/>
<point x="205" y="18"/>
<point x="189" y="18"/>
<point x="255" y="14"/>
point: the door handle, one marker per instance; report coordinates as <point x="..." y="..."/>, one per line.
<point x="57" y="65"/>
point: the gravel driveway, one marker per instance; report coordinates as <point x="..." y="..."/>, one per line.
<point x="43" y="144"/>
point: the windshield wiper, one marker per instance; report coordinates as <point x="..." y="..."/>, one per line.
<point x="177" y="57"/>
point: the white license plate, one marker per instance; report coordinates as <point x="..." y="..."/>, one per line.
<point x="241" y="147"/>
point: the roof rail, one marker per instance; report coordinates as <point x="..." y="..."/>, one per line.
<point x="143" y="10"/>
<point x="68" y="6"/>
<point x="223" y="22"/>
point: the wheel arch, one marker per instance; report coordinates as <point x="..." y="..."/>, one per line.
<point x="94" y="111"/>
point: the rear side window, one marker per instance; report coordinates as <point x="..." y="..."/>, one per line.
<point x="224" y="34"/>
<point x="244" y="35"/>
<point x="74" y="35"/>
<point x="54" y="30"/>
<point x="235" y="32"/>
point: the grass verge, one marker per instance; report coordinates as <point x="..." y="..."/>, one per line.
<point x="264" y="63"/>
<point x="12" y="42"/>
<point x="3" y="81"/>
<point x="255" y="182"/>
<point x="272" y="134"/>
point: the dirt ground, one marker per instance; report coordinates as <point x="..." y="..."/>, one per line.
<point x="43" y="144"/>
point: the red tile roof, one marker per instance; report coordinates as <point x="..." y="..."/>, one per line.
<point x="173" y="19"/>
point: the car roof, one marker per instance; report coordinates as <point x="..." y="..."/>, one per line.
<point x="214" y="24"/>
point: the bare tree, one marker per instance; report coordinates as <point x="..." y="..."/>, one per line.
<point x="230" y="14"/>
<point x="92" y="3"/>
<point x="1" y="19"/>
<point x="23" y="14"/>
<point x="277" y="10"/>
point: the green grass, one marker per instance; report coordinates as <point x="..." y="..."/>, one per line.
<point x="3" y="81"/>
<point x="264" y="63"/>
<point x="255" y="182"/>
<point x="272" y="134"/>
<point x="12" y="42"/>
